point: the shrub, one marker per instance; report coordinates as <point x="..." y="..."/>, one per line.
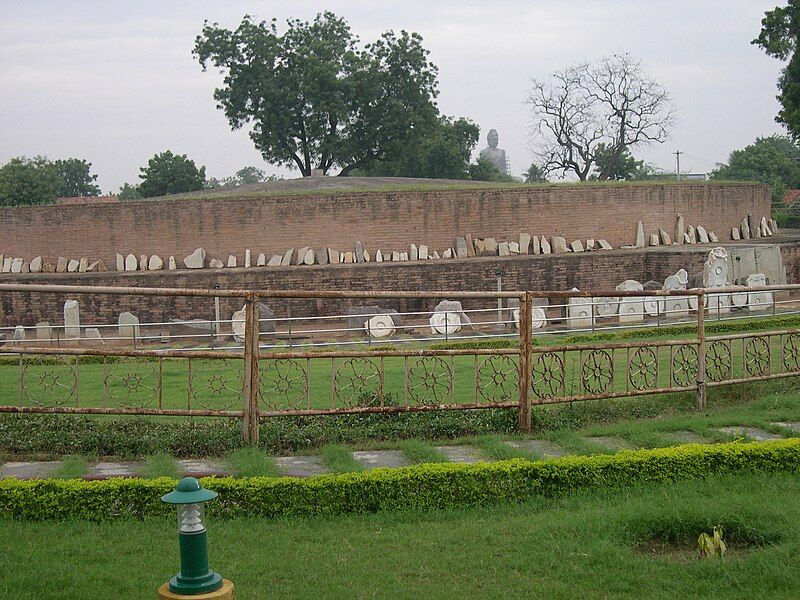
<point x="422" y="487"/>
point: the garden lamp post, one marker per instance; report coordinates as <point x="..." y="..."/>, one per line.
<point x="195" y="578"/>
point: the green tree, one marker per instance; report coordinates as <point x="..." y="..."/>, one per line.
<point x="534" y="174"/>
<point x="314" y="98"/>
<point x="129" y="192"/>
<point x="441" y="152"/>
<point x="169" y="173"/>
<point x="76" y="178"/>
<point x="609" y="164"/>
<point x="774" y="160"/>
<point x="484" y="170"/>
<point x="780" y="31"/>
<point x="28" y="181"/>
<point x="244" y="176"/>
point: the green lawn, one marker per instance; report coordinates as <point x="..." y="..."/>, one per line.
<point x="588" y="546"/>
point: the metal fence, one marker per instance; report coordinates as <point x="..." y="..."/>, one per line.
<point x="253" y="368"/>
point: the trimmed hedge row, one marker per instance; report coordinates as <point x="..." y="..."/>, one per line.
<point x="423" y="487"/>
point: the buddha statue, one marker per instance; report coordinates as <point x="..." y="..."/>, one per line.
<point x="495" y="155"/>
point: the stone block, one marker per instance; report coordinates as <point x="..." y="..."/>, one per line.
<point x="216" y="263"/>
<point x="321" y="256"/>
<point x="83" y="264"/>
<point x="287" y="257"/>
<point x="423" y="252"/>
<point x="261" y="261"/>
<point x="537" y="245"/>
<point x="654" y="239"/>
<point x="44" y="333"/>
<point x="143" y="262"/>
<point x="72" y="319"/>
<point x="513" y="247"/>
<point x="502" y="249"/>
<point x="196" y="260"/>
<point x="333" y="256"/>
<point x="702" y="235"/>
<point x="155" y="263"/>
<point x="231" y="261"/>
<point x="735" y="235"/>
<point x="359" y="255"/>
<point x="301" y="256"/>
<point x="173" y="264"/>
<point x="308" y="259"/>
<point x="36" y="264"/>
<point x="72" y="265"/>
<point x="559" y="244"/>
<point x="665" y="239"/>
<point x="120" y="262"/>
<point x="545" y="246"/>
<point x="128" y="326"/>
<point x="461" y="247"/>
<point x="247" y="258"/>
<point x="491" y="246"/>
<point x="524" y="243"/>
<point x="576" y="246"/>
<point x="639" y="235"/>
<point x="680" y="228"/>
<point x="691" y="234"/>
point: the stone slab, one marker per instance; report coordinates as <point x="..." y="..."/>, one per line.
<point x="460" y="454"/>
<point x="202" y="467"/>
<point x="685" y="436"/>
<point x="374" y="459"/>
<point x="301" y="466"/>
<point x="753" y="433"/>
<point x="793" y="425"/>
<point x="106" y="469"/>
<point x="610" y="442"/>
<point x="29" y="470"/>
<point x="542" y="448"/>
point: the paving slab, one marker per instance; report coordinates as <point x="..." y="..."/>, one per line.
<point x="539" y="447"/>
<point x="461" y="454"/>
<point x="685" y="436"/>
<point x="199" y="467"/>
<point x="380" y="458"/>
<point x="29" y="470"/>
<point x="301" y="466"/>
<point x="106" y="469"/>
<point x="610" y="442"/>
<point x="753" y="433"/>
<point x="793" y="425"/>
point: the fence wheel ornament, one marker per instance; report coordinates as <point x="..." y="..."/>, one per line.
<point x="547" y="375"/>
<point x="358" y="383"/>
<point x="49" y="380"/>
<point x="216" y="384"/>
<point x="597" y="371"/>
<point x="718" y="361"/>
<point x="132" y="383"/>
<point x="684" y="366"/>
<point x="497" y="378"/>
<point x="756" y="356"/>
<point x="283" y="383"/>
<point x="429" y="378"/>
<point x="643" y="369"/>
<point x="791" y="352"/>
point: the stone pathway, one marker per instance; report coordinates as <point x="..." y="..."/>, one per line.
<point x="307" y="466"/>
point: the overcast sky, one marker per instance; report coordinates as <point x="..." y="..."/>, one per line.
<point x="115" y="82"/>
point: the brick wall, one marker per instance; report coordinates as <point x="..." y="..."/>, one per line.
<point x="386" y="220"/>
<point x="595" y="271"/>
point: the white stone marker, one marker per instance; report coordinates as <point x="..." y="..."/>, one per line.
<point x="155" y="263"/>
<point x="128" y="326"/>
<point x="72" y="319"/>
<point x="130" y="262"/>
<point x="196" y="260"/>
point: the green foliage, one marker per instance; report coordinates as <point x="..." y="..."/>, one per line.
<point x="75" y="178"/>
<point x="253" y="462"/>
<point x="711" y="546"/>
<point x="313" y="98"/>
<point x="439" y="152"/>
<point x="169" y="173"/>
<point x="780" y="29"/>
<point x="616" y="164"/>
<point x="419" y="451"/>
<point x="339" y="458"/>
<point x="485" y="170"/>
<point x="423" y="487"/>
<point x="28" y="181"/>
<point x="773" y="160"/>
<point x="535" y="174"/>
<point x="160" y="465"/>
<point x="244" y="176"/>
<point x="129" y="192"/>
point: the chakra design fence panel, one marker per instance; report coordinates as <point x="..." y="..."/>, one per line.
<point x="683" y="365"/>
<point x="48" y="380"/>
<point x="215" y="384"/>
<point x="283" y="383"/>
<point x="718" y="360"/>
<point x="757" y="356"/>
<point x="643" y="368"/>
<point x="429" y="380"/>
<point x="497" y="378"/>
<point x="358" y="382"/>
<point x="548" y="375"/>
<point x="132" y="382"/>
<point x="597" y="371"/>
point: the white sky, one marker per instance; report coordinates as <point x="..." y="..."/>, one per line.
<point x="115" y="82"/>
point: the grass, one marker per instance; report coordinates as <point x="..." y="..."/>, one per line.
<point x="252" y="462"/>
<point x="72" y="467"/>
<point x="584" y="546"/>
<point x="339" y="458"/>
<point x="160" y="465"/>
<point x="419" y="451"/>
<point x="495" y="448"/>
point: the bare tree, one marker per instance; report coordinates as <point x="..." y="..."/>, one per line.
<point x="611" y="102"/>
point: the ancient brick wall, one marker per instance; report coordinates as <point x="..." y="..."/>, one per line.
<point x="595" y="271"/>
<point x="386" y="220"/>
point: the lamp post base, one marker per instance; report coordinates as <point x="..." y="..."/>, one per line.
<point x="226" y="592"/>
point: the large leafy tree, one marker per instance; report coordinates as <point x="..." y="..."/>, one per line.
<point x="780" y="31"/>
<point x="28" y="181"/>
<point x="611" y="105"/>
<point x="316" y="99"/>
<point x="441" y="152"/>
<point x="244" y="176"/>
<point x="76" y="178"/>
<point x="774" y="160"/>
<point x="615" y="166"/>
<point x="169" y="173"/>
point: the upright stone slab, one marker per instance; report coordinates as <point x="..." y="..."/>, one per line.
<point x="524" y="243"/>
<point x="308" y="259"/>
<point x="301" y="256"/>
<point x="128" y="326"/>
<point x="216" y="263"/>
<point x="605" y="306"/>
<point x="8" y="260"/>
<point x="640" y="243"/>
<point x="537" y="245"/>
<point x="72" y="320"/>
<point x="44" y="333"/>
<point x="735" y="234"/>
<point x="513" y="247"/>
<point x="675" y="306"/>
<point x="173" y="264"/>
<point x="631" y="309"/>
<point x="378" y="256"/>
<point x="665" y="239"/>
<point x="231" y="261"/>
<point x="760" y="300"/>
<point x="155" y="263"/>
<point x="143" y="262"/>
<point x="36" y="265"/>
<point x="579" y="312"/>
<point x="83" y="264"/>
<point x="605" y="245"/>
<point x="491" y="246"/>
<point x="744" y="226"/>
<point x="461" y="247"/>
<point x="423" y="252"/>
<point x="576" y="246"/>
<point x="414" y="252"/>
<point x="654" y="240"/>
<point x="120" y="262"/>
<point x="276" y="260"/>
<point x="359" y="252"/>
<point x="247" y="258"/>
<point x="559" y="244"/>
<point x="321" y="256"/>
<point x="680" y="228"/>
<point x="19" y="334"/>
<point x="503" y="249"/>
<point x="349" y="257"/>
<point x="470" y="246"/>
<point x="702" y="235"/>
<point x="715" y="269"/>
<point x="545" y="246"/>
<point x="287" y="257"/>
<point x="712" y="237"/>
<point x="691" y="234"/>
<point x="72" y="266"/>
<point x="196" y="260"/>
<point x="333" y="256"/>
<point x="261" y="261"/>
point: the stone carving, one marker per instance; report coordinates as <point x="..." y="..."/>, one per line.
<point x="36" y="264"/>
<point x="735" y="235"/>
<point x="287" y="257"/>
<point x="675" y="306"/>
<point x="545" y="246"/>
<point x="493" y="154"/>
<point x="196" y="260"/>
<point x="524" y="243"/>
<point x="72" y="265"/>
<point x="715" y="269"/>
<point x="19" y="334"/>
<point x="761" y="300"/>
<point x="357" y="317"/>
<point x="72" y="319"/>
<point x="155" y="263"/>
<point x="605" y="306"/>
<point x="702" y="235"/>
<point x="654" y="239"/>
<point x="559" y="244"/>
<point x="461" y="247"/>
<point x="237" y="325"/>
<point x="739" y="299"/>
<point x="680" y="228"/>
<point x="665" y="239"/>
<point x="128" y="326"/>
<point x="639" y="235"/>
<point x="579" y="312"/>
<point x="379" y="326"/>
<point x="120" y="262"/>
<point x="231" y="261"/>
<point x="538" y="317"/>
<point x="631" y="309"/>
<point x="261" y="260"/>
<point x="216" y="263"/>
<point x="445" y="323"/>
<point x="93" y="333"/>
<point x="143" y="262"/>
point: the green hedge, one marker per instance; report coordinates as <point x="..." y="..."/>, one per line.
<point x="429" y="486"/>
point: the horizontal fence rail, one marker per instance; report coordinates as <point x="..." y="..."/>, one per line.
<point x="499" y="349"/>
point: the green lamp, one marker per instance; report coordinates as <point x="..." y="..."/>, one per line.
<point x="195" y="577"/>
